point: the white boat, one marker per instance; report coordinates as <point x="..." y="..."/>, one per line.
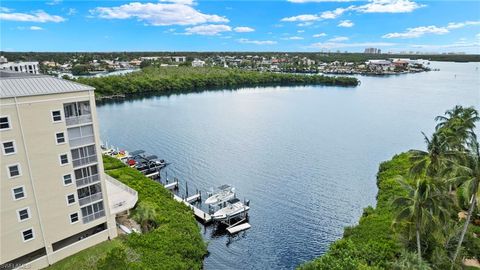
<point x="222" y="194"/>
<point x="232" y="208"/>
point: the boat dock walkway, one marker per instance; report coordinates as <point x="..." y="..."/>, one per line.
<point x="199" y="213"/>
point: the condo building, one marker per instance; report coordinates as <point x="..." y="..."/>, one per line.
<point x="55" y="198"/>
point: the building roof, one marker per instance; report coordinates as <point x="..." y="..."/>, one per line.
<point x="19" y="84"/>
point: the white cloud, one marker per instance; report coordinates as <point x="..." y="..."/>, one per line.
<point x="301" y="18"/>
<point x="293" y="38"/>
<point x="4" y="9"/>
<point x="36" y="28"/>
<point x="71" y="11"/>
<point x="432" y="29"/>
<point x="159" y="14"/>
<point x="389" y="6"/>
<point x="303" y="24"/>
<point x="332" y="14"/>
<point x="346" y="23"/>
<point x="208" y="29"/>
<point x="338" y="39"/>
<point x="373" y="6"/>
<point x="333" y="45"/>
<point x="54" y="2"/>
<point x="458" y="44"/>
<point x="300" y="31"/>
<point x="257" y="42"/>
<point x="462" y="24"/>
<point x="319" y="35"/>
<point x="243" y="29"/>
<point x="39" y="16"/>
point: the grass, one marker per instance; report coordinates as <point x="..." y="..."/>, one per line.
<point x="87" y="258"/>
<point x="175" y="243"/>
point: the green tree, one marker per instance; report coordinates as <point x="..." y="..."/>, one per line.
<point x="146" y="214"/>
<point x="469" y="176"/>
<point x="421" y="208"/>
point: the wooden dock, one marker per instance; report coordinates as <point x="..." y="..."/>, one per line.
<point x="199" y="213"/>
<point x="172" y="185"/>
<point x="239" y="228"/>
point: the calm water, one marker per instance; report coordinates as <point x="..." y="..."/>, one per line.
<point x="306" y="157"/>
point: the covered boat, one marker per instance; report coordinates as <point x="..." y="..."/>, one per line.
<point x="221" y="194"/>
<point x="232" y="208"/>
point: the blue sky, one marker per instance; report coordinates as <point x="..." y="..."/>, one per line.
<point x="271" y="25"/>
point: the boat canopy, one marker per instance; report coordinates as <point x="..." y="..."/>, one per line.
<point x="137" y="152"/>
<point x="151" y="157"/>
<point x="234" y="200"/>
<point x="223" y="187"/>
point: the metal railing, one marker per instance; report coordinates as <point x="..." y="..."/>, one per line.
<point x="75" y="120"/>
<point x="81" y="141"/>
<point x="84" y="160"/>
<point x="93" y="216"/>
<point x="90" y="199"/>
<point x="87" y="180"/>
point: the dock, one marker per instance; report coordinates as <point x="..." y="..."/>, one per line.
<point x="172" y="185"/>
<point x="153" y="175"/>
<point x="239" y="228"/>
<point x="194" y="198"/>
<point x="199" y="213"/>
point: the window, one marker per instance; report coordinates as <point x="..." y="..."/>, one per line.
<point x="9" y="148"/>
<point x="56" y="116"/>
<point x="67" y="179"/>
<point x="23" y="214"/>
<point x="18" y="193"/>
<point x="28" y="235"/>
<point x="63" y="159"/>
<point x="70" y="199"/>
<point x="14" y="170"/>
<point x="74" y="218"/>
<point x="60" y="137"/>
<point x="4" y="122"/>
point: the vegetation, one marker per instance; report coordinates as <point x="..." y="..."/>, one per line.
<point x="421" y="196"/>
<point x="170" y="240"/>
<point x="167" y="80"/>
<point x="84" y="57"/>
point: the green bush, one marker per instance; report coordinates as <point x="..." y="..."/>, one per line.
<point x="188" y="79"/>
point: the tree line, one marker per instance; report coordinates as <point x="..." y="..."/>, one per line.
<point x="427" y="214"/>
<point x="167" y="80"/>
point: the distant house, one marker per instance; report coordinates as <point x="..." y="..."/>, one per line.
<point x="26" y="67"/>
<point x="198" y="63"/>
<point x="379" y="64"/>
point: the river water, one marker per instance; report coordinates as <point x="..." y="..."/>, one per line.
<point x="306" y="157"/>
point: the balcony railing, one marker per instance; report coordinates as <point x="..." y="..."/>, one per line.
<point x="87" y="180"/>
<point x="90" y="199"/>
<point x="84" y="161"/>
<point x="81" y="141"/>
<point x="93" y="216"/>
<point x="76" y="120"/>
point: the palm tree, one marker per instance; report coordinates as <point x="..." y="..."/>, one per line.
<point x="432" y="161"/>
<point x="146" y="214"/>
<point x="422" y="207"/>
<point x="468" y="173"/>
<point x="458" y="126"/>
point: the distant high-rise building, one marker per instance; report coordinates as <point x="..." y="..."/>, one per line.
<point x="372" y="51"/>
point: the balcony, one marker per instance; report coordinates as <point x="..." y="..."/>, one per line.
<point x="75" y="142"/>
<point x="89" y="199"/>
<point x="120" y="196"/>
<point x="93" y="216"/>
<point x="84" y="161"/>
<point x="87" y="180"/>
<point x="77" y="120"/>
